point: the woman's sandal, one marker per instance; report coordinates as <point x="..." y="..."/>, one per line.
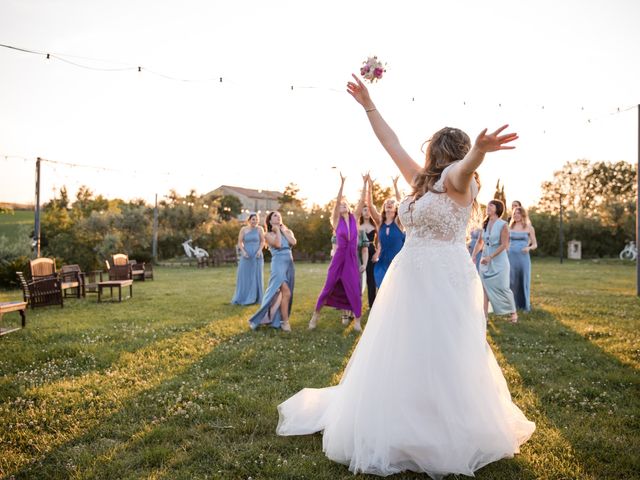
<point x="313" y="323"/>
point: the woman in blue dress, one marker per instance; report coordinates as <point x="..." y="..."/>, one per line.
<point x="494" y="264"/>
<point x="390" y="232"/>
<point x="476" y="233"/>
<point x="251" y="264"/>
<point x="278" y="298"/>
<point x="522" y="239"/>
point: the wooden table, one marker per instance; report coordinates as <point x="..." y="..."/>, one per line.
<point x="6" y="307"/>
<point x="111" y="284"/>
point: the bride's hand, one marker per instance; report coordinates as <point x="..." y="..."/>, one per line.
<point x="493" y="142"/>
<point x="360" y="93"/>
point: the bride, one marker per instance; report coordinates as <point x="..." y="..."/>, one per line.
<point x="422" y="390"/>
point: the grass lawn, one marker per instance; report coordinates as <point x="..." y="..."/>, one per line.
<point x="12" y="225"/>
<point x="172" y="384"/>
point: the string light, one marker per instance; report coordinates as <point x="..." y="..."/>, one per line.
<point x="139" y="68"/>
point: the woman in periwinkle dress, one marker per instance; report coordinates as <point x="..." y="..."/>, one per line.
<point x="251" y="265"/>
<point x="476" y="233"/>
<point x="522" y="239"/>
<point x="342" y="288"/>
<point x="494" y="263"/>
<point x="278" y="298"/>
<point x="390" y="233"/>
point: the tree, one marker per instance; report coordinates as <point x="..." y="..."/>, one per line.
<point x="499" y="195"/>
<point x="290" y="197"/>
<point x="229" y="206"/>
<point x="86" y="203"/>
<point x="591" y="188"/>
<point x="379" y="194"/>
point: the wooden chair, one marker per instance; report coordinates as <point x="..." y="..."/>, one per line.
<point x="119" y="272"/>
<point x="91" y="280"/>
<point x="119" y="259"/>
<point x="42" y="267"/>
<point x="148" y="271"/>
<point x="41" y="292"/>
<point x="72" y="277"/>
<point x="137" y="270"/>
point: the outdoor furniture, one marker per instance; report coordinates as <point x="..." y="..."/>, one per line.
<point x="42" y="267"/>
<point x="137" y="270"/>
<point x="119" y="259"/>
<point x="224" y="256"/>
<point x="111" y="284"/>
<point x="7" y="307"/>
<point x="41" y="292"/>
<point x="91" y="280"/>
<point x="119" y="272"/>
<point x="148" y="271"/>
<point x="71" y="277"/>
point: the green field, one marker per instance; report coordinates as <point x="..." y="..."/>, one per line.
<point x="172" y="384"/>
<point x="12" y="224"/>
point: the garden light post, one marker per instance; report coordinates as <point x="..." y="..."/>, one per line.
<point x="638" y="212"/>
<point x="560" y="195"/>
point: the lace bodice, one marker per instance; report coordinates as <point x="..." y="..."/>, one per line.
<point x="435" y="217"/>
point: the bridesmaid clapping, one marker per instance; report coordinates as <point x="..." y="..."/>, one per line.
<point x="250" y="267"/>
<point x="278" y="299"/>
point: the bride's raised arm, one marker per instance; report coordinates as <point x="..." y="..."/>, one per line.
<point x="389" y="140"/>
<point x="461" y="174"/>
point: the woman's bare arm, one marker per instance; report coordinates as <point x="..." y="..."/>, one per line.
<point x="387" y="137"/>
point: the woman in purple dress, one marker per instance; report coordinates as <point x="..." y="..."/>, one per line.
<point x="342" y="288"/>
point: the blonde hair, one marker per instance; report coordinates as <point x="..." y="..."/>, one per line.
<point x="523" y="214"/>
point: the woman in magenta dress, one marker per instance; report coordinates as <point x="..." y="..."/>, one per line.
<point x="342" y="288"/>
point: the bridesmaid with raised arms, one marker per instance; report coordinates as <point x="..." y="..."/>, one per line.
<point x="391" y="235"/>
<point x="342" y="287"/>
<point x="369" y="228"/>
<point x="249" y="281"/>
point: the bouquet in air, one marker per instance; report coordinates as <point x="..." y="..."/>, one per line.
<point x="372" y="69"/>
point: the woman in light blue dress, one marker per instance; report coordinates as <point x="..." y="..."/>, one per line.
<point x="251" y="265"/>
<point x="522" y="239"/>
<point x="494" y="264"/>
<point x="278" y="298"/>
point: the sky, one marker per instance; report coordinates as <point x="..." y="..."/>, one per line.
<point x="563" y="74"/>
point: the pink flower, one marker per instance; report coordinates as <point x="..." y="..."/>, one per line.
<point x="378" y="72"/>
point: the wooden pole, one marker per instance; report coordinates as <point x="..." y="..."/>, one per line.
<point x="155" y="232"/>
<point x="36" y="229"/>
<point x="561" y="233"/>
<point x="638" y="212"/>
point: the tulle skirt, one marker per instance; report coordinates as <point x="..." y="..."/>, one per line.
<point x="422" y="390"/>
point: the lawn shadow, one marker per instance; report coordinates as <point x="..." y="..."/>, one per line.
<point x="197" y="421"/>
<point x="588" y="395"/>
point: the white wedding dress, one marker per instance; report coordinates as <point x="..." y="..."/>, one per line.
<point x="422" y="390"/>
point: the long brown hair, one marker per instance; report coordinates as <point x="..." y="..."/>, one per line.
<point x="446" y="146"/>
<point x="499" y="211"/>
<point x="371" y="220"/>
<point x="268" y="220"/>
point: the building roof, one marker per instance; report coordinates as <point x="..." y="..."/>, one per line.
<point x="251" y="193"/>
